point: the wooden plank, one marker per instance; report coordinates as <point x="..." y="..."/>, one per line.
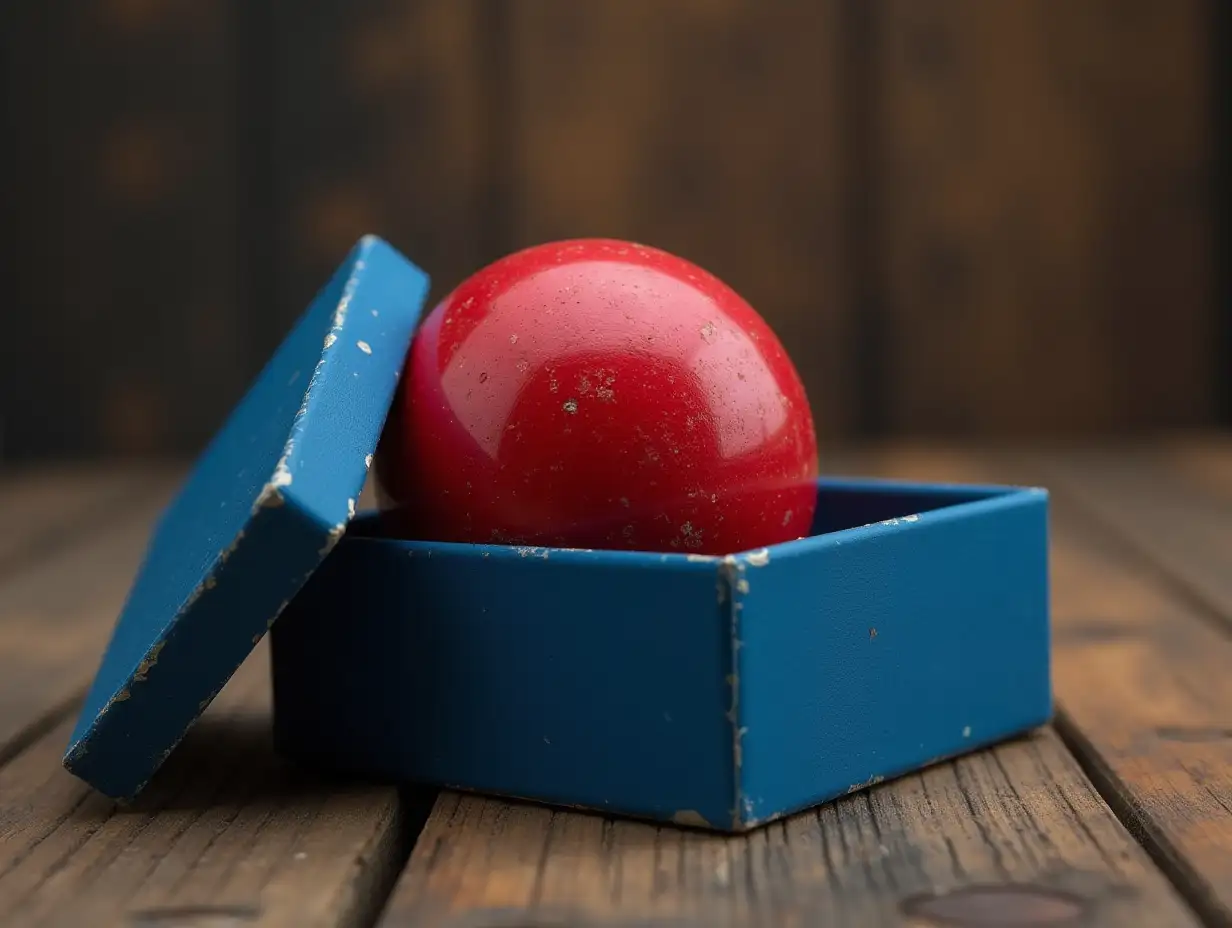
<point x="43" y="507"/>
<point x="56" y="613"/>
<point x="711" y="129"/>
<point x="226" y="834"/>
<point x="1172" y="501"/>
<point x="1045" y="215"/>
<point x="125" y="325"/>
<point x="1021" y="814"/>
<point x="1141" y="679"/>
<point x="383" y="127"/>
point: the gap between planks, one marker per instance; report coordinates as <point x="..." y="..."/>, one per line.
<point x="56" y="613"/>
<point x="483" y="862"/>
<point x="52" y="511"/>
<point x="1021" y="813"/>
<point x="1170" y="501"/>
<point x="226" y="834"/>
<point x="1140" y="670"/>
<point x="471" y="866"/>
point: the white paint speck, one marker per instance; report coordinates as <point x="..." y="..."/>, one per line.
<point x="330" y="339"/>
<point x="350" y="509"/>
<point x="364" y="347"/>
<point x="742" y="585"/>
<point x="911" y="518"/>
<point x="967" y="731"/>
<point x="282" y="475"/>
<point x="302" y="855"/>
<point x="708" y="332"/>
<point x="335" y="536"/>
<point x="871" y="781"/>
<point x="570" y="406"/>
<point x="513" y="339"/>
<point x="759" y="558"/>
<point x="375" y="314"/>
<point x="368" y="460"/>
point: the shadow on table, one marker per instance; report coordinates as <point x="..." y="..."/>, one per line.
<point x="229" y="760"/>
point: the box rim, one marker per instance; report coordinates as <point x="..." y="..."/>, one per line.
<point x="991" y="496"/>
<point x="993" y="499"/>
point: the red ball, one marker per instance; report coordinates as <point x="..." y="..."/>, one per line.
<point x="600" y="394"/>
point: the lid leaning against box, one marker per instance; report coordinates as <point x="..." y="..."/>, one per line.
<point x="264" y="504"/>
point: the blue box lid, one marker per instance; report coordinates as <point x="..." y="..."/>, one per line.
<point x="261" y="509"/>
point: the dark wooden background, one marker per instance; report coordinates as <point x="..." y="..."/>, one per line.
<point x="964" y="218"/>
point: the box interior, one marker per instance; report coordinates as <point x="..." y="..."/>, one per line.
<point x="844" y="505"/>
<point x="841" y="504"/>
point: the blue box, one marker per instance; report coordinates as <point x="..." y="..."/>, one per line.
<point x="711" y="691"/>
<point x="261" y="508"/>
<point x="720" y="692"/>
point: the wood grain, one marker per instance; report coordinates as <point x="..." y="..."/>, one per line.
<point x="125" y="323"/>
<point x="45" y="507"/>
<point x="895" y="184"/>
<point x="57" y="612"/>
<point x="1140" y="677"/>
<point x="1044" y="221"/>
<point x="229" y="835"/>
<point x="710" y="129"/>
<point x="45" y="514"/>
<point x="1171" y="500"/>
<point x="381" y="128"/>
<point x="226" y="834"/>
<point x="1021" y="814"/>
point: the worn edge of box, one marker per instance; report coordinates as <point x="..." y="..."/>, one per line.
<point x="734" y="586"/>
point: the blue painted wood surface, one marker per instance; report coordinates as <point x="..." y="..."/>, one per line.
<point x="261" y="509"/>
<point x="720" y="692"/>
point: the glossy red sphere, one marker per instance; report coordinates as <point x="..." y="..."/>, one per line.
<point x="600" y="394"/>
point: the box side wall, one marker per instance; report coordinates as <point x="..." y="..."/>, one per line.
<point x="567" y="678"/>
<point x="866" y="659"/>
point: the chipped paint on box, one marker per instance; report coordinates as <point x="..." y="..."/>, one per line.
<point x="264" y="505"/>
<point x="690" y="818"/>
<point x="665" y="686"/>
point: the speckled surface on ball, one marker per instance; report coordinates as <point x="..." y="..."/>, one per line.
<point x="599" y="393"/>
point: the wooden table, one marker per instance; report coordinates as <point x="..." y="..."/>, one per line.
<point x="1119" y="815"/>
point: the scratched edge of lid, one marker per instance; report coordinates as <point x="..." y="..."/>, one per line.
<point x="121" y="749"/>
<point x="287" y="535"/>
